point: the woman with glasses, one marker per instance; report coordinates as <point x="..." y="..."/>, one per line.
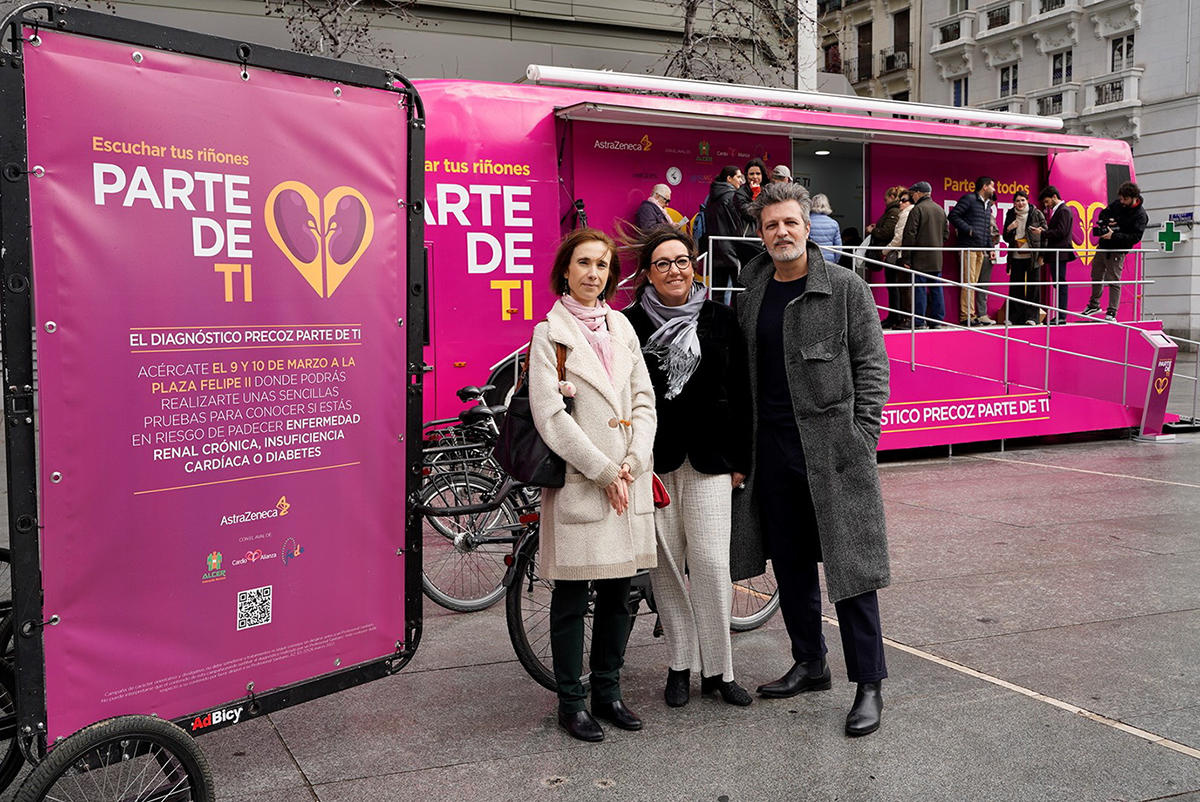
<point x="698" y="365"/>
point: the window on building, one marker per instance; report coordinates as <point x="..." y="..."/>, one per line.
<point x="958" y="6"/>
<point x="833" y="58"/>
<point x="1060" y="68"/>
<point x="1008" y="80"/>
<point x="1122" y="52"/>
<point x="960" y="91"/>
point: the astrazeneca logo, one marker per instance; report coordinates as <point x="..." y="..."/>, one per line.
<point x="281" y="508"/>
<point x="642" y="144"/>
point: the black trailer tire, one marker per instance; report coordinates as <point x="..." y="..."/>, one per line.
<point x="111" y="745"/>
<point x="10" y="755"/>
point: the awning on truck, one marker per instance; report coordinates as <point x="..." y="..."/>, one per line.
<point x="638" y="115"/>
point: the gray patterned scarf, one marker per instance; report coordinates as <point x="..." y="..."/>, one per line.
<point x="674" y="343"/>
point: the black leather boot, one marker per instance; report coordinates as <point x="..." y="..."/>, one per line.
<point x="865" y="713"/>
<point x="812" y="675"/>
<point x="678" y="689"/>
<point x="617" y="714"/>
<point x="731" y="692"/>
<point x="581" y="725"/>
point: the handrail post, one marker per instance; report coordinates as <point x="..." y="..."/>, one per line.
<point x="912" y="322"/>
<point x="1125" y="371"/>
<point x="1195" y="383"/>
<point x="1046" y="378"/>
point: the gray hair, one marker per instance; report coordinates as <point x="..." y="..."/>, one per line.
<point x="820" y="204"/>
<point x="772" y="194"/>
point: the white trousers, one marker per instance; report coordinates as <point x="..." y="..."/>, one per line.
<point x="691" y="583"/>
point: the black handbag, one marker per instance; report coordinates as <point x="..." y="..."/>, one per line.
<point x="520" y="449"/>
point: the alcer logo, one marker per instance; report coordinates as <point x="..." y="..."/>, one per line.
<point x="323" y="238"/>
<point x="214" y="572"/>
<point x="226" y="716"/>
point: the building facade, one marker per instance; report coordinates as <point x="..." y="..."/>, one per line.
<point x="875" y="44"/>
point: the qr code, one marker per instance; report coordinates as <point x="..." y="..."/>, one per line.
<point x="253" y="607"/>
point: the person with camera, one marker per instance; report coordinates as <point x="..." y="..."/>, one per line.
<point x="1119" y="227"/>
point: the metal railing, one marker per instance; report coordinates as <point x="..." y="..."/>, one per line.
<point x="999" y="332"/>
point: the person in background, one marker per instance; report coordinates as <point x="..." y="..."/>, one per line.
<point x="825" y="230"/>
<point x="697" y="360"/>
<point x="880" y="233"/>
<point x="723" y="218"/>
<point x="781" y="174"/>
<point x="652" y="211"/>
<point x="903" y="298"/>
<point x="756" y="177"/>
<point x="1060" y="222"/>
<point x="1120" y="227"/>
<point x="597" y="531"/>
<point x="1023" y="227"/>
<point x="819" y="377"/>
<point x="973" y="218"/>
<point x="925" y="228"/>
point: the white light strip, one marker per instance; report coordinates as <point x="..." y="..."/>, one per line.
<point x="602" y="79"/>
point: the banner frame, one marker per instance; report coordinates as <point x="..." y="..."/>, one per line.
<point x="17" y="320"/>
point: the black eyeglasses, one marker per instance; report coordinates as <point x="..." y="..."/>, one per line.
<point x="665" y="265"/>
<point x="906" y="200"/>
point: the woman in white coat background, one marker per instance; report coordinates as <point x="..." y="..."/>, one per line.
<point x="599" y="526"/>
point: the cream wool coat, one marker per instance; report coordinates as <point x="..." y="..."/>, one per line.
<point x="612" y="423"/>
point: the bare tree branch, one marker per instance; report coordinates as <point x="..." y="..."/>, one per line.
<point x="343" y="28"/>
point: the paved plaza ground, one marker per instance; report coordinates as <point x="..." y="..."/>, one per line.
<point x="1043" y="627"/>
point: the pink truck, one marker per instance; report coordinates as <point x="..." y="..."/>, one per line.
<point x="509" y="167"/>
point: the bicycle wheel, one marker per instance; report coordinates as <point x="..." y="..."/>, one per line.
<point x="130" y="758"/>
<point x="755" y="600"/>
<point x="463" y="563"/>
<point x="10" y="756"/>
<point x="527" y="611"/>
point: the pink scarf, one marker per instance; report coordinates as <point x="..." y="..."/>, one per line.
<point x="594" y="325"/>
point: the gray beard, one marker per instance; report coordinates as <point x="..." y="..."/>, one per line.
<point x="787" y="253"/>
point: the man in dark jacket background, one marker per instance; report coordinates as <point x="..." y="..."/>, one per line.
<point x="925" y="228"/>
<point x="1060" y="223"/>
<point x="973" y="217"/>
<point x="723" y="218"/>
<point x="1118" y="229"/>
<point x="652" y="211"/>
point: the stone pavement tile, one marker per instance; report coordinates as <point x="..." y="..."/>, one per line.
<point x="250" y="759"/>
<point x="996" y="483"/>
<point x="920" y="553"/>
<point x="1041" y="511"/>
<point x="1183" y="724"/>
<point x="1156" y="533"/>
<point x="279" y="795"/>
<point x="1176" y="461"/>
<point x="453" y="639"/>
<point x="980" y="744"/>
<point x="1125" y="669"/>
<point x="1036" y="596"/>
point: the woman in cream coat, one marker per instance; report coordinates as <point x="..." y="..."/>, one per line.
<point x="599" y="527"/>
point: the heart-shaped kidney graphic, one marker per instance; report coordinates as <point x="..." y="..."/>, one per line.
<point x="1160" y="385"/>
<point x="323" y="238"/>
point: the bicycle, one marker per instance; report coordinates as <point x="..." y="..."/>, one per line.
<point x="463" y="561"/>
<point x="527" y="608"/>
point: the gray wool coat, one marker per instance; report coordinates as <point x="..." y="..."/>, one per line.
<point x="837" y="371"/>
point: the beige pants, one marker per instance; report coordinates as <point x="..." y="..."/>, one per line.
<point x="972" y="263"/>
<point x="693" y="536"/>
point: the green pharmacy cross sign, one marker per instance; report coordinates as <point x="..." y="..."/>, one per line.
<point x="1168" y="237"/>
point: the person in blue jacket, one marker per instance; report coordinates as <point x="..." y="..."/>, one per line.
<point x="825" y="230"/>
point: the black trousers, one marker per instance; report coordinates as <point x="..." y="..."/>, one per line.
<point x="610" y="632"/>
<point x="793" y="544"/>
<point x="1026" y="296"/>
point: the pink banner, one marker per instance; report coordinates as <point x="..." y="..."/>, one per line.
<point x="219" y="271"/>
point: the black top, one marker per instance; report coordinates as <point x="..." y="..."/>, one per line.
<point x="776" y="416"/>
<point x="709" y="421"/>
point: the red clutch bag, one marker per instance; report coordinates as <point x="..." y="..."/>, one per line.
<point x="661" y="497"/>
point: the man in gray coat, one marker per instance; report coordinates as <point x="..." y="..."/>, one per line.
<point x="819" y="377"/>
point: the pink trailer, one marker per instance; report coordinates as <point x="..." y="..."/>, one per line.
<point x="509" y="167"/>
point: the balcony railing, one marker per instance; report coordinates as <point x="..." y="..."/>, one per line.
<point x="1046" y="6"/>
<point x="894" y="59"/>
<point x="950" y="32"/>
<point x="1115" y="88"/>
<point x="857" y="69"/>
<point x="1057" y="101"/>
<point x="825" y="6"/>
<point x="998" y="17"/>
